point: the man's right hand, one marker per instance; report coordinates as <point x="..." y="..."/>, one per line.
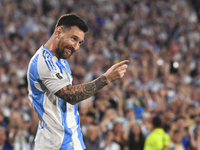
<point x="116" y="71"/>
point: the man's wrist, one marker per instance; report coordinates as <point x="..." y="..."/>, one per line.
<point x="106" y="79"/>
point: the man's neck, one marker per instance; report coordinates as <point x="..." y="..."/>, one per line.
<point x="50" y="44"/>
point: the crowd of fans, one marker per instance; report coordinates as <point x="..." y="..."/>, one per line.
<point x="160" y="38"/>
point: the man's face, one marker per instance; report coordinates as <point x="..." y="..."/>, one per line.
<point x="69" y="42"/>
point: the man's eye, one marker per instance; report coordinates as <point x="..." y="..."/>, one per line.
<point x="74" y="39"/>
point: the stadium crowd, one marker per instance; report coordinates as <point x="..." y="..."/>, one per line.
<point x="160" y="38"/>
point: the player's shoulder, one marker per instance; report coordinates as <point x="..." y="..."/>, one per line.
<point x="46" y="59"/>
<point x="42" y="56"/>
<point x="43" y="53"/>
<point x="39" y="52"/>
<point x="46" y="53"/>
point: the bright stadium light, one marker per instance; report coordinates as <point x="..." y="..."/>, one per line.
<point x="160" y="62"/>
<point x="175" y="64"/>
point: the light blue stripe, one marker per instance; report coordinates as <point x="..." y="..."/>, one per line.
<point x="45" y="59"/>
<point x="68" y="76"/>
<point x="50" y="56"/>
<point x="68" y="132"/>
<point x="80" y="137"/>
<point x="67" y="65"/>
<point x="53" y="63"/>
<point x="67" y="68"/>
<point x="61" y="67"/>
<point x="37" y="95"/>
<point x="50" y="52"/>
<point x="49" y="61"/>
<point x="59" y="64"/>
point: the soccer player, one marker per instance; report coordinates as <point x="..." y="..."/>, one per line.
<point x="51" y="92"/>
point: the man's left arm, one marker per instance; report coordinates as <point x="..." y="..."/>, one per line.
<point x="77" y="93"/>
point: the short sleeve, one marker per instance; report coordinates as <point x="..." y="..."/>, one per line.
<point x="51" y="75"/>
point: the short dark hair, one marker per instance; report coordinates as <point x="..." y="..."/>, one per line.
<point x="157" y="122"/>
<point x="69" y="20"/>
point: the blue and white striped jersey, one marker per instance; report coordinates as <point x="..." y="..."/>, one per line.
<point x="59" y="126"/>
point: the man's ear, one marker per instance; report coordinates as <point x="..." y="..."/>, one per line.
<point x="58" y="32"/>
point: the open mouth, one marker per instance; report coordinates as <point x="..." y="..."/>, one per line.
<point x="68" y="50"/>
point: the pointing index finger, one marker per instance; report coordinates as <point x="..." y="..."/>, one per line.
<point x="122" y="62"/>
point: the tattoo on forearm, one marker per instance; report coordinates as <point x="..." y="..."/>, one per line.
<point x="77" y="93"/>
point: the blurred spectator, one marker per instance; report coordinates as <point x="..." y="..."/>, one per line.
<point x="180" y="126"/>
<point x="136" y="138"/>
<point x="17" y="132"/>
<point x="175" y="143"/>
<point x="179" y="122"/>
<point x="3" y="122"/>
<point x="128" y="122"/>
<point x="133" y="103"/>
<point x="157" y="139"/>
<point x="91" y="139"/>
<point x="169" y="116"/>
<point x="4" y="142"/>
<point x="146" y="125"/>
<point x="119" y="134"/>
<point x="108" y="120"/>
<point x="195" y="139"/>
<point x="108" y="143"/>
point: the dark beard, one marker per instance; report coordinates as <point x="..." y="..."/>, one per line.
<point x="59" y="53"/>
<point x="60" y="49"/>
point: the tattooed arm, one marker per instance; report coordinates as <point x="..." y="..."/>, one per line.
<point x="74" y="94"/>
<point x="77" y="93"/>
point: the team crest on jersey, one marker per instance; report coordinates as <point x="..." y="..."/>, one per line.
<point x="58" y="76"/>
